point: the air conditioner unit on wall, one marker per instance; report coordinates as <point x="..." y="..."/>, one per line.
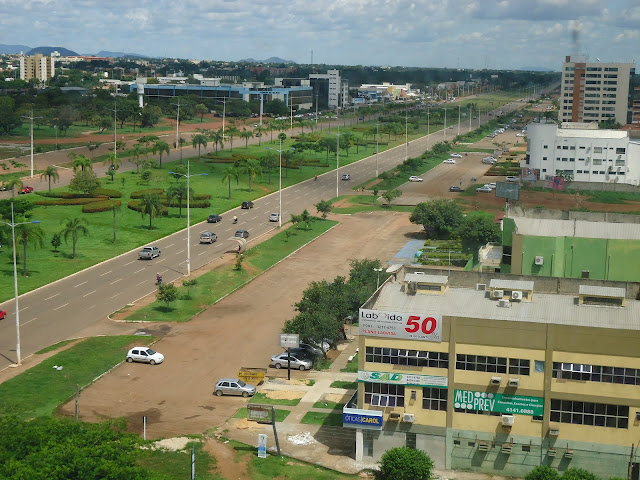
<point x="497" y="294"/>
<point x="408" y="418"/>
<point x="412" y="287"/>
<point x="504" y="303"/>
<point x="539" y="260"/>
<point x="507" y="420"/>
<point x="394" y="417"/>
<point x="516" y="295"/>
<point x="496" y="380"/>
<point x="514" y="382"/>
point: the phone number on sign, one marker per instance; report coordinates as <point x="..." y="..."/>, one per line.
<point x="523" y="411"/>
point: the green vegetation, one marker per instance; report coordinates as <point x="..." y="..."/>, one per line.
<point x="24" y="395"/>
<point x="322" y="418"/>
<point x="444" y="252"/>
<point x="404" y="463"/>
<point x="169" y="464"/>
<point x="263" y="398"/>
<point x="280" y="414"/>
<point x="352" y="367"/>
<point x="365" y="203"/>
<point x="328" y="404"/>
<point x="344" y="384"/>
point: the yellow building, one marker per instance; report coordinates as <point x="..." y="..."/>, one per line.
<point x="37" y="66"/>
<point x="500" y="373"/>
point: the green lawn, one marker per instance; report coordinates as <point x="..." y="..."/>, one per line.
<point x="41" y="389"/>
<point x="329" y="405"/>
<point x="322" y="418"/>
<point x="169" y="465"/>
<point x="366" y="203"/>
<point x="353" y="366"/>
<point x="344" y="384"/>
<point x="263" y="398"/>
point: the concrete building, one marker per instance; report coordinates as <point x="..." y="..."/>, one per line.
<point x="499" y="373"/>
<point x="594" y="91"/>
<point x="589" y="154"/>
<point x="37" y="66"/>
<point x="331" y="86"/>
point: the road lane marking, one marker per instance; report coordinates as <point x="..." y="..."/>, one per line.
<point x="133" y="261"/>
<point x="80" y="284"/>
<point x="181" y="251"/>
<point x="106" y="273"/>
<point x="141" y="283"/>
<point x="115" y="295"/>
<point x="87" y="294"/>
<point x="49" y="298"/>
<point x="61" y="306"/>
<point x="137" y="271"/>
<point x="170" y="245"/>
<point x="115" y="281"/>
<point x="22" y="324"/>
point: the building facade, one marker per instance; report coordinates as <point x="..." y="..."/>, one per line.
<point x="594" y="91"/>
<point x="331" y="86"/>
<point x="499" y="373"/>
<point x="588" y="154"/>
<point x="37" y="66"/>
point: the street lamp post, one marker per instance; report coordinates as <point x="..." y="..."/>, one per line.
<point x="406" y="135"/>
<point x="377" y="133"/>
<point x="31" y="118"/>
<point x="378" y="283"/>
<point x="338" y="162"/>
<point x="13" y="226"/>
<point x="188" y="176"/>
<point x="280" y="183"/>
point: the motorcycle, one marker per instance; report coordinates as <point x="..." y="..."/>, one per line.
<point x="158" y="279"/>
<point x="235" y="220"/>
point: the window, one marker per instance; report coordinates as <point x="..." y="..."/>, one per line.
<point x="596" y="373"/>
<point x="544" y="158"/>
<point x="620" y="151"/>
<point x="481" y="363"/>
<point x="597" y="149"/>
<point x="545" y="146"/>
<point x="519" y="366"/>
<point x="587" y="413"/>
<point x="477" y="412"/>
<point x="416" y="358"/>
<point x="434" y="398"/>
<point x="383" y="395"/>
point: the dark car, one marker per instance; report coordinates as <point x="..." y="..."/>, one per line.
<point x="247" y="204"/>
<point x="242" y="234"/>
<point x="214" y="218"/>
<point x="453" y="188"/>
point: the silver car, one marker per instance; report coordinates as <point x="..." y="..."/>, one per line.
<point x="280" y="361"/>
<point x="144" y="355"/>
<point x="233" y="386"/>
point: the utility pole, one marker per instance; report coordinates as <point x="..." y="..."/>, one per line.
<point x="31" y="118"/>
<point x="406" y="135"/>
<point x="377" y="124"/>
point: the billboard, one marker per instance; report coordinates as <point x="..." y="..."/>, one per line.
<point x="496" y="402"/>
<point x="508" y="190"/>
<point x="402" y="379"/>
<point x="356" y="418"/>
<point x="556" y="183"/>
<point x="409" y="326"/>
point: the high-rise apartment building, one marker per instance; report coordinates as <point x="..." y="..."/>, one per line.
<point x="37" y="66"/>
<point x="594" y="91"/>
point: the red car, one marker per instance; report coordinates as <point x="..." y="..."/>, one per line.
<point x="2" y="314"/>
<point x="26" y="190"/>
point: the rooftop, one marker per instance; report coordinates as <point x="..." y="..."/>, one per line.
<point x="543" y="227"/>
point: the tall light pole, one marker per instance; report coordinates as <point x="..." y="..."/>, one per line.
<point x="31" y="118"/>
<point x="13" y="226"/>
<point x="377" y="124"/>
<point x="188" y="176"/>
<point x="280" y="182"/>
<point x="459" y="110"/>
<point x="338" y="162"/>
<point x="445" y="125"/>
<point x="378" y="283"/>
<point x="406" y="135"/>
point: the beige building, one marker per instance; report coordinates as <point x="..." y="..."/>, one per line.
<point x="37" y="66"/>
<point x="594" y="91"/>
<point x="500" y="373"/>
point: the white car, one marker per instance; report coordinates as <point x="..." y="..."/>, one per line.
<point x="413" y="178"/>
<point x="456" y="155"/>
<point x="144" y="355"/>
<point x="450" y="160"/>
<point x="491" y="185"/>
<point x="519" y="134"/>
<point x="274" y="217"/>
<point x="511" y="178"/>
<point x="281" y="361"/>
<point x="484" y="189"/>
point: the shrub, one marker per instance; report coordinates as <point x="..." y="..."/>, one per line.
<point x="405" y="463"/>
<point x="578" y="474"/>
<point x="543" y="472"/>
<point x="140" y="193"/>
<point x="107" y="192"/>
<point x="102" y="206"/>
<point x="201" y="196"/>
<point x="70" y="201"/>
<point x="135" y="206"/>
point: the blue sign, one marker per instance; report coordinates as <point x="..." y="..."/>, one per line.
<point x="356" y="418"/>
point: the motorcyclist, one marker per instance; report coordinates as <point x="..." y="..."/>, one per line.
<point x="315" y="177"/>
<point x="235" y="219"/>
<point x="158" y="278"/>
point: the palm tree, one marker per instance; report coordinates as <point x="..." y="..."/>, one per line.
<point x="161" y="147"/>
<point x="258" y="131"/>
<point x="199" y="140"/>
<point x="217" y="138"/>
<point x="246" y="134"/>
<point x="12" y="184"/>
<point x="52" y="173"/>
<point x="232" y="132"/>
<point x="80" y="162"/>
<point x="74" y="227"/>
<point x="136" y="156"/>
<point x="115" y="205"/>
<point x="181" y="143"/>
<point x="178" y="191"/>
<point x="28" y="233"/>
<point x="287" y="156"/>
<point x="150" y="205"/>
<point x="253" y="169"/>
<point x="229" y="174"/>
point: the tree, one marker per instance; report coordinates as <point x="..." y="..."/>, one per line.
<point x="259" y="130"/>
<point x="181" y="143"/>
<point x="217" y="138"/>
<point x="439" y="218"/>
<point x="253" y="169"/>
<point x="56" y="241"/>
<point x="150" y="205"/>
<point x="161" y="147"/>
<point x="323" y="207"/>
<point x="167" y="293"/>
<point x="578" y="474"/>
<point x="404" y="463"/>
<point x="178" y="191"/>
<point x="28" y="233"/>
<point x="199" y="140"/>
<point x="476" y="230"/>
<point x="136" y="156"/>
<point x="231" y="133"/>
<point x="80" y="162"/>
<point x="151" y="115"/>
<point x="201" y="109"/>
<point x="391" y="195"/>
<point x="85" y="182"/>
<point x="74" y="227"/>
<point x="542" y="472"/>
<point x="9" y="118"/>
<point x="246" y="134"/>
<point x="12" y="184"/>
<point x="189" y="283"/>
<point x="115" y="206"/>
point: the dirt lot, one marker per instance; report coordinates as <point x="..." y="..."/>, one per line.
<point x="241" y="330"/>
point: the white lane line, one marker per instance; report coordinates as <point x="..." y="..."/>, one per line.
<point x="49" y="298"/>
<point x="115" y="281"/>
<point x="171" y="245"/>
<point x="141" y="283"/>
<point x="89" y="308"/>
<point x="61" y="306"/>
<point x="181" y="251"/>
<point x="202" y="253"/>
<point x="115" y="295"/>
<point x="133" y="261"/>
<point x="106" y="273"/>
<point x="138" y="271"/>
<point x="80" y="284"/>
<point x="87" y="294"/>
<point x="22" y="324"/>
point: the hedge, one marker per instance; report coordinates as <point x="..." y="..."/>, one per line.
<point x="71" y="201"/>
<point x="140" y="193"/>
<point x="99" y="192"/>
<point x="135" y="206"/>
<point x="103" y="206"/>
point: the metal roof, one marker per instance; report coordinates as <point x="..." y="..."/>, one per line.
<point x="511" y="284"/>
<point x="544" y="227"/>
<point x="598" y="291"/>
<point x="420" y="278"/>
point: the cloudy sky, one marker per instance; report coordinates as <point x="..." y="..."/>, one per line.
<point x="426" y="33"/>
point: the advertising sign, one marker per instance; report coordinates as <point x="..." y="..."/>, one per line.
<point x="496" y="402"/>
<point x="289" y="340"/>
<point x="262" y="445"/>
<point x="259" y="413"/>
<point x="356" y="418"/>
<point x="402" y="379"/>
<point x="410" y="326"/>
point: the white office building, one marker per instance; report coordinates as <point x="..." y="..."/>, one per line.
<point x="588" y="153"/>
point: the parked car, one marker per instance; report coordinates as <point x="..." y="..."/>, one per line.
<point x="242" y="234"/>
<point x="247" y="204"/>
<point x="297" y="363"/>
<point x="519" y="134"/>
<point x="25" y="190"/>
<point x="3" y="314"/>
<point x="149" y="253"/>
<point x="233" y="386"/>
<point x="484" y="189"/>
<point x="208" y="237"/>
<point x="489" y="160"/>
<point x="346" y="176"/>
<point x="491" y="185"/>
<point x="456" y="155"/>
<point x="511" y="178"/>
<point x="213" y="218"/>
<point x="144" y="355"/>
<point x="274" y="217"/>
<point x="450" y="160"/>
<point x="453" y="188"/>
<point x="413" y="178"/>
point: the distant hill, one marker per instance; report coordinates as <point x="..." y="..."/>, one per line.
<point x="106" y="53"/>
<point x="48" y="50"/>
<point x="13" y="49"/>
<point x="267" y="60"/>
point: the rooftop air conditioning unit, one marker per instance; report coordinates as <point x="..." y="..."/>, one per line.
<point x="408" y="418"/>
<point x="514" y="382"/>
<point x="568" y="453"/>
<point x="481" y="286"/>
<point x="507" y="420"/>
<point x="551" y="452"/>
<point x="539" y="260"/>
<point x="484" y="446"/>
<point x="496" y="380"/>
<point x="516" y="295"/>
<point x="412" y="287"/>
<point x="497" y="294"/>
<point x="394" y="417"/>
<point x="504" y="303"/>
<point x="506" y="448"/>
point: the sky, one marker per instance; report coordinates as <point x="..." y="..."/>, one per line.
<point x="495" y="34"/>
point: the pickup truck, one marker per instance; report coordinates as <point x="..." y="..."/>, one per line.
<point x="149" y="253"/>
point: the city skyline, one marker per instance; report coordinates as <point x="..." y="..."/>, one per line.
<point x="509" y="34"/>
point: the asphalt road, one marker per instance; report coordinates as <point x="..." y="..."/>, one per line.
<point x="69" y="306"/>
